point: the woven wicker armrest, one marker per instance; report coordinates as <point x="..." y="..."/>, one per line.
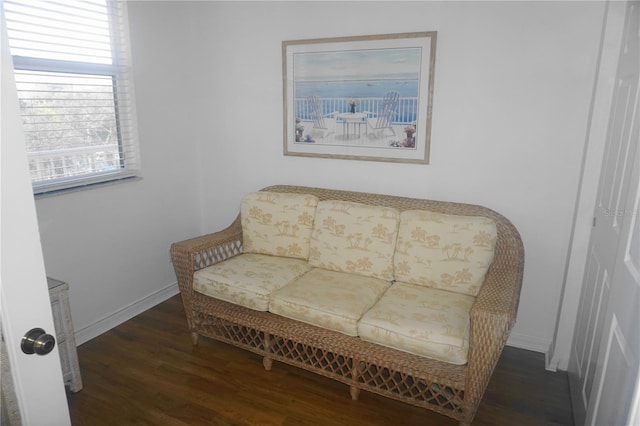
<point x="206" y="250"/>
<point x="199" y="252"/>
<point x="493" y="313"/>
<point x="497" y="301"/>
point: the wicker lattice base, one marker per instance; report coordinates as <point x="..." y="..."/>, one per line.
<point x="359" y="364"/>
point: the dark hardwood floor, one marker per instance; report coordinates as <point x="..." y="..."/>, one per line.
<point x="146" y="372"/>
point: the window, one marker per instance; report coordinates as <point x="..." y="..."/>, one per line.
<point x="73" y="76"/>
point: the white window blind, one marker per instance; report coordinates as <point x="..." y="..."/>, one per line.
<point x="73" y="75"/>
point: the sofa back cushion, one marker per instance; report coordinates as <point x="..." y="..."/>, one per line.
<point x="277" y="224"/>
<point x="442" y="251"/>
<point x="353" y="237"/>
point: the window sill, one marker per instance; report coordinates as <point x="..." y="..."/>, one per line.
<point x="85" y="187"/>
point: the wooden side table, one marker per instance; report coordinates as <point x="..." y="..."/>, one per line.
<point x="65" y="337"/>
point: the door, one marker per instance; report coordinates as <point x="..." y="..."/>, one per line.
<point x="604" y="358"/>
<point x="39" y="388"/>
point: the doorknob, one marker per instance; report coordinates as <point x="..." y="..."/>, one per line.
<point x="37" y="341"/>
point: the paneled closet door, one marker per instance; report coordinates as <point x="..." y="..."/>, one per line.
<point x="606" y="350"/>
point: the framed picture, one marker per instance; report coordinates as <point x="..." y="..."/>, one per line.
<point x="363" y="97"/>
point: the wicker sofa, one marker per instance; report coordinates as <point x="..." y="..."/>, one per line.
<point x="449" y="382"/>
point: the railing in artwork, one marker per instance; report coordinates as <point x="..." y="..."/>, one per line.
<point x="406" y="112"/>
<point x="68" y="162"/>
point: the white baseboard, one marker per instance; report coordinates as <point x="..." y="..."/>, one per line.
<point x="529" y="343"/>
<point x="107" y="323"/>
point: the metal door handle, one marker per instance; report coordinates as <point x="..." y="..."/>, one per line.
<point x="37" y="341"/>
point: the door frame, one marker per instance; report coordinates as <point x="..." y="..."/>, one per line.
<point x="593" y="155"/>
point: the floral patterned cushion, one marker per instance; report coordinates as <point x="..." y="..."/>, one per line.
<point x="420" y="320"/>
<point x="278" y="224"/>
<point x="328" y="299"/>
<point x="444" y="251"/>
<point x="248" y="279"/>
<point x="353" y="237"/>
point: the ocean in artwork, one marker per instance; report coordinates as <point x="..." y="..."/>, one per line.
<point x="356" y="88"/>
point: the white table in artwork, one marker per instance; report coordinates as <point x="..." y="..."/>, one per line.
<point x="353" y="120"/>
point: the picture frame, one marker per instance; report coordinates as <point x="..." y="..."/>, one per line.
<point x="360" y="97"/>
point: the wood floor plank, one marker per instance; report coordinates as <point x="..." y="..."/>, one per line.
<point x="146" y="372"/>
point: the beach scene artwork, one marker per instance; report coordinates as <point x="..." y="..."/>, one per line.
<point x="362" y="97"/>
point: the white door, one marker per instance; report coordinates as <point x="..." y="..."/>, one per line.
<point x="605" y="354"/>
<point x="24" y="295"/>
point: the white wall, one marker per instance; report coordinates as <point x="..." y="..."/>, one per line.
<point x="512" y="89"/>
<point x="513" y="83"/>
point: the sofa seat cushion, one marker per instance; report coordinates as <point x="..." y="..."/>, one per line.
<point x="444" y="251"/>
<point x="277" y="224"/>
<point x="353" y="237"/>
<point x="420" y="320"/>
<point x="248" y="279"/>
<point x="329" y="299"/>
